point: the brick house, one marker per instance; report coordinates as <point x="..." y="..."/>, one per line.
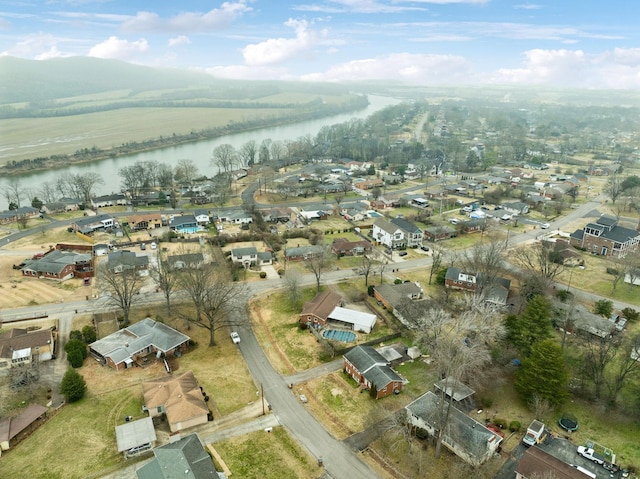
<point x="371" y="370"/>
<point x="316" y="312"/>
<point x="344" y="247"/>
<point x="605" y="237"/>
<point x="59" y="265"/>
<point x="144" y="339"/>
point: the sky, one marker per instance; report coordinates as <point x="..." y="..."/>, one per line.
<point x="564" y="43"/>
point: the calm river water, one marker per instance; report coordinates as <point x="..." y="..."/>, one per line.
<point x="199" y="152"/>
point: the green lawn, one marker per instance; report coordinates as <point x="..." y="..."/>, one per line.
<point x="262" y="455"/>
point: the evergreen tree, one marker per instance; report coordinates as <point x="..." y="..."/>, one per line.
<point x="543" y="375"/>
<point x="76" y="352"/>
<point x="531" y="326"/>
<point x="73" y="386"/>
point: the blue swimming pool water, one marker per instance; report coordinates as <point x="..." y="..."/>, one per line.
<point x="192" y="230"/>
<point x="337" y="335"/>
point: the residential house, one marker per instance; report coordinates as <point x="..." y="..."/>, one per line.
<point x="117" y="199"/>
<point x="20" y="346"/>
<point x="536" y="462"/>
<point x="185" y="458"/>
<point x="89" y="224"/>
<point x="316" y="312"/>
<point x="13" y="429"/>
<point x="389" y="234"/>
<point x="393" y="295"/>
<point x="369" y="184"/>
<point x="308" y="216"/>
<point x="138" y="342"/>
<point x="59" y="265"/>
<point x="238" y="217"/>
<point x="265" y="258"/>
<point x="474" y="225"/>
<point x="179" y="397"/>
<point x="464" y="436"/>
<point x="413" y="235"/>
<point x="605" y="237"/>
<point x="11" y="216"/>
<point x="135" y="437"/>
<point x="439" y="233"/>
<point x="344" y="247"/>
<point x="496" y="293"/>
<point x="372" y="371"/>
<point x="183" y="224"/>
<point x="145" y="221"/>
<point x="202" y="217"/>
<point x="277" y="215"/>
<point x="516" y="208"/>
<point x="245" y="256"/>
<point x="353" y="214"/>
<point x="121" y="260"/>
<point x="62" y="205"/>
<point x="186" y="260"/>
<point x="300" y="253"/>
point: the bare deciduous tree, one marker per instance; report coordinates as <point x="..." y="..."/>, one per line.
<point x="318" y="262"/>
<point x="486" y="261"/>
<point x="437" y="256"/>
<point x="123" y="287"/>
<point x="219" y="302"/>
<point x="165" y="278"/>
<point x="292" y="286"/>
<point x="459" y="347"/>
<point x="540" y="259"/>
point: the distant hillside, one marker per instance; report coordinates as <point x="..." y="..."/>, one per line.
<point x="31" y="80"/>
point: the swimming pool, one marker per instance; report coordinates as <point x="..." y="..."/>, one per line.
<point x="338" y="335"/>
<point x="192" y="230"/>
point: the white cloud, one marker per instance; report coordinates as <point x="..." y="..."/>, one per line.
<point x="246" y="72"/>
<point x="120" y="49"/>
<point x="179" y="40"/>
<point x="407" y="67"/>
<point x="619" y="68"/>
<point x="188" y="21"/>
<point x="528" y="6"/>
<point x="278" y="50"/>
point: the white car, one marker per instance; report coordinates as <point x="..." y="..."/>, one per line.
<point x="153" y="245"/>
<point x="545" y="226"/>
<point x="235" y="337"/>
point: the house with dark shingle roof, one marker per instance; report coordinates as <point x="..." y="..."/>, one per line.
<point x="393" y="295"/>
<point x="184" y="459"/>
<point x="467" y="438"/>
<point x="605" y="237"/>
<point x="388" y="234"/>
<point x="300" y="253"/>
<point x="247" y="256"/>
<point x="183" y="223"/>
<point x="496" y="293"/>
<point x="371" y="370"/>
<point x="119" y="261"/>
<point x="344" y="247"/>
<point x="412" y="233"/>
<point x="146" y="338"/>
<point x="89" y="224"/>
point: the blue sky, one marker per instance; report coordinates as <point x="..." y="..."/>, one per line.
<point x="570" y="43"/>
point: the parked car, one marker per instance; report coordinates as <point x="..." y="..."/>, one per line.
<point x="153" y="245"/>
<point x="235" y="337"/>
<point x="303" y="398"/>
<point x="402" y="253"/>
<point x="143" y="246"/>
<point x="454" y="221"/>
<point x="545" y="226"/>
<point x="424" y="248"/>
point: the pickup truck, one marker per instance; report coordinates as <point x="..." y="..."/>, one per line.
<point x="591" y="455"/>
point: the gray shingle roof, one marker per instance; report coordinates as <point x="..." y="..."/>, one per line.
<point x="461" y="429"/>
<point x="126" y="342"/>
<point x="364" y="358"/>
<point x="406" y="225"/>
<point x="55" y="262"/>
<point x="184" y="459"/>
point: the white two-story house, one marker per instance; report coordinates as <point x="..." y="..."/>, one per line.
<point x="389" y="234"/>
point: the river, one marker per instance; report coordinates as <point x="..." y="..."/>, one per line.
<point x="199" y="152"/>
